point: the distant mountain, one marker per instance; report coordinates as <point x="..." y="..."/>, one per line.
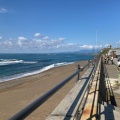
<point x="92" y="51"/>
<point x="85" y="51"/>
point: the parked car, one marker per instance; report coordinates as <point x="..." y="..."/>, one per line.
<point x="118" y="62"/>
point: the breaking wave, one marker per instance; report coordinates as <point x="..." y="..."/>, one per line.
<point x="14" y="61"/>
<point x="35" y="72"/>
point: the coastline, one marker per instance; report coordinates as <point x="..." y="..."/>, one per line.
<point x="34" y="72"/>
<point x="17" y="94"/>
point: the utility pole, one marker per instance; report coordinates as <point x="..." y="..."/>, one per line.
<point x="96" y="42"/>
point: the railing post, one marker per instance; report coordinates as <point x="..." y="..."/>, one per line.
<point x="93" y="62"/>
<point x="78" y="77"/>
<point x="88" y="63"/>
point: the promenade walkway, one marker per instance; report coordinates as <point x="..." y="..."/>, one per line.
<point x="113" y="73"/>
<point x="110" y="110"/>
<point x="102" y="102"/>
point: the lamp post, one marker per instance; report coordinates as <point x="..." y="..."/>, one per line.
<point x="96" y="42"/>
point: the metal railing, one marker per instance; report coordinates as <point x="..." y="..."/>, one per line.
<point x="35" y="104"/>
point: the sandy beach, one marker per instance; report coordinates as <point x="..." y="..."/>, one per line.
<point x="17" y="94"/>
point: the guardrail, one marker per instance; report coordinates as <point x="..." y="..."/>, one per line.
<point x="35" y="104"/>
<point x="81" y="101"/>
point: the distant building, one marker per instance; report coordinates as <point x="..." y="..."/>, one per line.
<point x="118" y="53"/>
<point x="114" y="52"/>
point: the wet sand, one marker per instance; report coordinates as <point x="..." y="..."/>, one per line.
<point x="17" y="94"/>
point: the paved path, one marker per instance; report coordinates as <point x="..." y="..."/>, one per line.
<point x="113" y="73"/>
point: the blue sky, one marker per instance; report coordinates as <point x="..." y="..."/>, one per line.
<point x="58" y="25"/>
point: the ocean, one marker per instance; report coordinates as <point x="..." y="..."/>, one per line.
<point x="19" y="65"/>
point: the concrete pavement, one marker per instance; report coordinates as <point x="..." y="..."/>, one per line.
<point x="113" y="72"/>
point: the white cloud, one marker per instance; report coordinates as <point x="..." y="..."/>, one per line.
<point x="87" y="46"/>
<point x="58" y="46"/>
<point x="61" y="39"/>
<point x="118" y="42"/>
<point x="3" y="10"/>
<point x="46" y="38"/>
<point x="9" y="43"/>
<point x="21" y="40"/>
<point x="42" y="44"/>
<point x="107" y="45"/>
<point x="71" y="44"/>
<point x="97" y="47"/>
<point x="38" y="35"/>
<point x="1" y="37"/>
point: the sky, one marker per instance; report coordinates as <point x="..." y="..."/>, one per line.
<point x="45" y="26"/>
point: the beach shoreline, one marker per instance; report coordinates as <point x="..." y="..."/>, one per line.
<point x="17" y="81"/>
<point x="17" y="94"/>
<point x="34" y="72"/>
